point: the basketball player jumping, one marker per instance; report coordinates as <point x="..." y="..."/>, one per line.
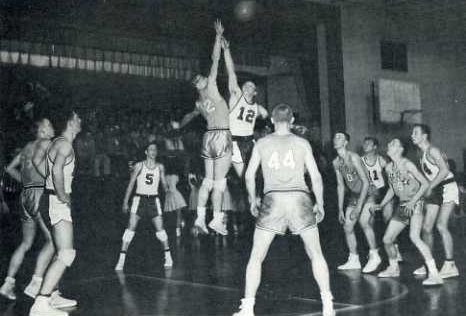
<point x="33" y="186"/>
<point x="216" y="143"/>
<point x="284" y="159"/>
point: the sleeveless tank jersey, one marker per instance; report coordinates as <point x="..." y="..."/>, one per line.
<point x="375" y="173"/>
<point x="403" y="183"/>
<point x="147" y="182"/>
<point x="215" y="113"/>
<point x="29" y="174"/>
<point x="430" y="169"/>
<point x="350" y="175"/>
<point x="282" y="162"/>
<point x="243" y="118"/>
<point x="68" y="170"/>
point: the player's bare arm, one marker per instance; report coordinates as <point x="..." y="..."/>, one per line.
<point x="63" y="150"/>
<point x="216" y="53"/>
<point x="132" y="180"/>
<point x="163" y="180"/>
<point x="189" y="117"/>
<point x="439" y="160"/>
<point x="340" y="191"/>
<point x="38" y="159"/>
<point x="250" y="178"/>
<point x="356" y="160"/>
<point x="421" y="179"/>
<point x="13" y="167"/>
<point x="233" y="87"/>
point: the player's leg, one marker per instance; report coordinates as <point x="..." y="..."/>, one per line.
<point x="261" y="244"/>
<point x="311" y="242"/>
<point x="43" y="260"/>
<point x="366" y="221"/>
<point x="29" y="228"/>
<point x="221" y="167"/>
<point x="350" y="236"/>
<point x="203" y="195"/>
<point x="162" y="236"/>
<point x="387" y="213"/>
<point x="431" y="213"/>
<point x="449" y="268"/>
<point x="394" y="228"/>
<point x="49" y="299"/>
<point x="415" y="236"/>
<point x="128" y="235"/>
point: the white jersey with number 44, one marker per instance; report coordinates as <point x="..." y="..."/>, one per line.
<point x="282" y="161"/>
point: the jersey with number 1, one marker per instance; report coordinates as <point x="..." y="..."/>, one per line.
<point x="282" y="161"/>
<point x="147" y="182"/>
<point x="375" y="172"/>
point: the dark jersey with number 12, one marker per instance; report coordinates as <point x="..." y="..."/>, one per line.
<point x="282" y="161"/>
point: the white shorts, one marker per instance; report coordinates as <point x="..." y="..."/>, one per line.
<point x="58" y="211"/>
<point x="451" y="193"/>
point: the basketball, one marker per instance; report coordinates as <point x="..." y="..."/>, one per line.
<point x="245" y="10"/>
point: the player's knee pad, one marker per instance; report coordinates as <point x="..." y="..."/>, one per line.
<point x="208" y="184"/>
<point x="67" y="256"/>
<point x="128" y="235"/>
<point x="162" y="235"/>
<point x="220" y="185"/>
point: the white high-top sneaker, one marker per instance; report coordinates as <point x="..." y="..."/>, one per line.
<point x="219" y="226"/>
<point x="246" y="308"/>
<point x="8" y="288"/>
<point x="433" y="279"/>
<point x="200" y="225"/>
<point x="420" y="271"/>
<point x="33" y="287"/>
<point x="58" y="301"/>
<point x="42" y="307"/>
<point x="168" y="259"/>
<point x="449" y="270"/>
<point x="353" y="263"/>
<point x="373" y="262"/>
<point x="392" y="271"/>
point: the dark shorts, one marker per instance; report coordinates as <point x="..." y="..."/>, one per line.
<point x="242" y="149"/>
<point x="446" y="191"/>
<point x="216" y="143"/>
<point x="375" y="195"/>
<point x="282" y="210"/>
<point x="403" y="215"/>
<point x="146" y="206"/>
<point x="29" y="202"/>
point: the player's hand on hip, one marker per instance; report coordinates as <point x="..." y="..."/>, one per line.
<point x="254" y="209"/>
<point x="355" y="213"/>
<point x="320" y="212"/>
<point x="65" y="199"/>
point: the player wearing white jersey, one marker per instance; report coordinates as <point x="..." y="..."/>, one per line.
<point x="243" y="113"/>
<point x="55" y="208"/>
<point x="146" y="176"/>
<point x="284" y="159"/>
<point x="441" y="198"/>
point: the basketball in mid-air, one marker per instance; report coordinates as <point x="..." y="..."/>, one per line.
<point x="245" y="10"/>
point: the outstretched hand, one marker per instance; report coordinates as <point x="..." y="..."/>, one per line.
<point x="225" y="44"/>
<point x="218" y="27"/>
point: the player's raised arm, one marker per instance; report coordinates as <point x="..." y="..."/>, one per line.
<point x="233" y="86"/>
<point x="216" y="52"/>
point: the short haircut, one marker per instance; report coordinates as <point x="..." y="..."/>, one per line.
<point x="282" y="113"/>
<point x="374" y="140"/>
<point x="347" y="136"/>
<point x="37" y="123"/>
<point x="425" y="129"/>
<point x="401" y="141"/>
<point x="150" y="144"/>
<point x="61" y="118"/>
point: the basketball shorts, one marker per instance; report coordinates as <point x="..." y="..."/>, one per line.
<point x="447" y="191"/>
<point x="403" y="215"/>
<point x="282" y="210"/>
<point x="242" y="149"/>
<point x="53" y="210"/>
<point x="29" y="200"/>
<point x="374" y="194"/>
<point x="146" y="206"/>
<point x="216" y="143"/>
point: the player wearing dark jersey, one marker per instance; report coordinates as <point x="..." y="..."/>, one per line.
<point x="146" y="175"/>
<point x="441" y="198"/>
<point x="409" y="185"/>
<point x="284" y="159"/>
<point x="350" y="173"/>
<point x="33" y="186"/>
<point x="216" y="142"/>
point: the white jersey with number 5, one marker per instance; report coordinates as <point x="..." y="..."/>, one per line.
<point x="147" y="182"/>
<point x="282" y="161"/>
<point x="243" y="118"/>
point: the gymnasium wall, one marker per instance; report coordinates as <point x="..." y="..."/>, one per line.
<point x="436" y="43"/>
